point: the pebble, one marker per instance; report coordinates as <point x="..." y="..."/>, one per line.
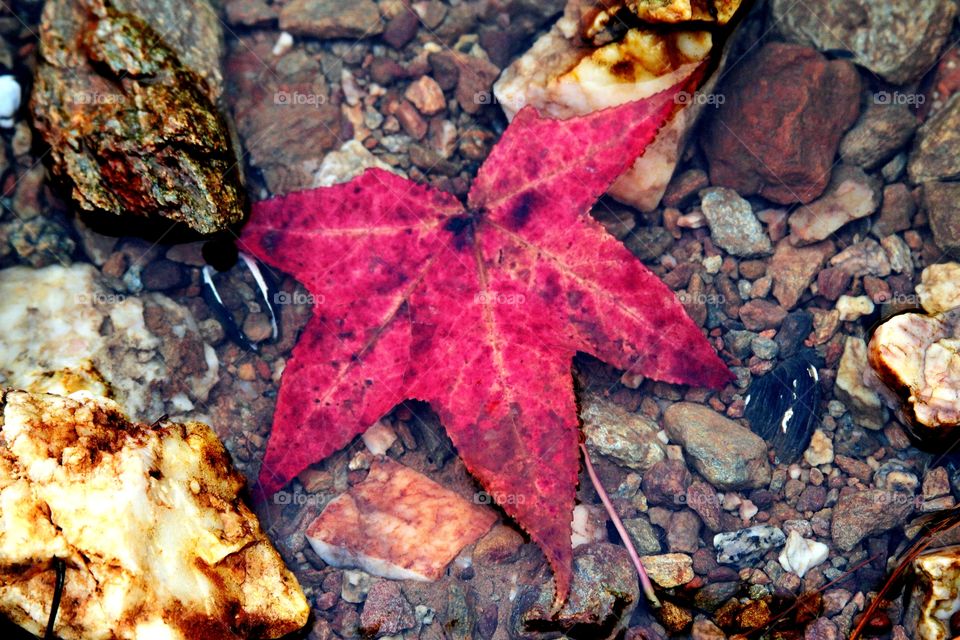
<point x="934" y="163"/>
<point x="683" y="532"/>
<point x="10" y="96"/>
<point x="864" y="258"/>
<point x="764" y="348"/>
<point x="820" y="450"/>
<point x="881" y="131"/>
<point x="385" y="610"/>
<point x="355" y="585"/>
<point x="894" y="475"/>
<point x="733" y="226"/>
<point x="629" y="439"/>
<point x="703" y="629"/>
<point x="666" y="483"/>
<point x="331" y="18"/>
<point x="643" y="535"/>
<point x="862" y="401"/>
<point x="939" y="288"/>
<point x="851" y="195"/>
<point x="747" y="546"/>
<point x="684" y="187"/>
<point x="426" y="95"/>
<point x="758" y="315"/>
<point x="853" y="308"/>
<point x="941" y="201"/>
<point x="867" y="513"/>
<point x="728" y="455"/>
<point x="793" y="269"/>
<point x="401" y="29"/>
<point x="896" y="212"/>
<point x="936" y="483"/>
<point x="800" y="554"/>
<point x="669" y="570"/>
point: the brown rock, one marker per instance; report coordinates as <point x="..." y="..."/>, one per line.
<point x="896" y="212"/>
<point x="411" y="120"/>
<point x="475" y="83"/>
<point x="833" y="282"/>
<point x="852" y="195"/>
<point x="426" y="95"/>
<point x="941" y="201"/>
<point x="798" y="104"/>
<point x="793" y="269"/>
<point x="666" y="483"/>
<point x="758" y="315"/>
<point x="401" y="29"/>
<point x="867" y="513"/>
<point x="385" y="610"/>
<point x="331" y="18"/>
<point x="703" y="499"/>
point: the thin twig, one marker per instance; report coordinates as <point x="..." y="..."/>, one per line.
<point x="644" y="579"/>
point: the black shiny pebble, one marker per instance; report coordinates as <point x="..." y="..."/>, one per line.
<point x="782" y="406"/>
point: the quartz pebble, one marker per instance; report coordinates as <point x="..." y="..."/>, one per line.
<point x="799" y="555"/>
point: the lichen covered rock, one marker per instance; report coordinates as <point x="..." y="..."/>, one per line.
<point x="127" y="95"/>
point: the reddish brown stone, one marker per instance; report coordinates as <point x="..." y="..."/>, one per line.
<point x="777" y="132"/>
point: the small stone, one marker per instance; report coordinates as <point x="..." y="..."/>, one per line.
<point x="250" y="13"/>
<point x="629" y="439"/>
<point x="703" y="499"/>
<point x="894" y="475"/>
<point x="936" y="483"/>
<point x="820" y="450"/>
<point x="246" y="371"/>
<point x="794" y="268"/>
<point x="715" y="594"/>
<point x="897" y="210"/>
<point x="881" y="131"/>
<point x="822" y="629"/>
<point x="853" y="308"/>
<point x="401" y="29"/>
<point x="867" y="513"/>
<point x="941" y="201"/>
<point x="669" y="570"/>
<point x="683" y="532"/>
<point x="733" y="226"/>
<point x="864" y="258"/>
<point x="747" y="546"/>
<point x="385" y="611"/>
<point x="683" y="187"/>
<point x="410" y="119"/>
<point x="800" y="555"/>
<point x="666" y="484"/>
<point x="936" y="150"/>
<point x="759" y="315"/>
<point x="501" y="545"/>
<point x="426" y="95"/>
<point x="851" y="195"/>
<point x="355" y="586"/>
<point x="939" y="288"/>
<point x="475" y="83"/>
<point x="331" y="18"/>
<point x="898" y="255"/>
<point x="793" y="332"/>
<point x="862" y="401"/>
<point x="642" y="534"/>
<point x="589" y="525"/>
<point x="812" y="498"/>
<point x="705" y="630"/>
<point x="648" y="243"/>
<point x="764" y="348"/>
<point x="728" y="455"/>
<point x="674" y="618"/>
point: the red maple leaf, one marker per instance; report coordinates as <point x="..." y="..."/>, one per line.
<point x="478" y="311"/>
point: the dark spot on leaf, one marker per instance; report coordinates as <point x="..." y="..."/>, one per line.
<point x="522" y="208"/>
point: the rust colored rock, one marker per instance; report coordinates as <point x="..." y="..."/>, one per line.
<point x="777" y="132"/>
<point x="397" y="524"/>
<point x="127" y="94"/>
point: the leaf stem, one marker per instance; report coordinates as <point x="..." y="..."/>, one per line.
<point x="634" y="556"/>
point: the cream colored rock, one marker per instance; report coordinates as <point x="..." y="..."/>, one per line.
<point x="820" y="450"/>
<point x="939" y="287"/>
<point x="936" y="594"/>
<point x="65" y="330"/>
<point x="851" y="387"/>
<point x="397" y="524"/>
<point x="148" y="519"/>
<point x="669" y="569"/>
<point x="800" y="555"/>
<point x="563" y="80"/>
<point x="918" y="357"/>
<point x="854" y="307"/>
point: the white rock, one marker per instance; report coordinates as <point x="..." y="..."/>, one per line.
<point x="379" y="438"/>
<point x="562" y="80"/>
<point x="854" y="307"/>
<point x="284" y="44"/>
<point x="10" y="95"/>
<point x="800" y="555"/>
<point x="345" y="164"/>
<point x="820" y="450"/>
<point x="939" y="287"/>
<point x="589" y="525"/>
